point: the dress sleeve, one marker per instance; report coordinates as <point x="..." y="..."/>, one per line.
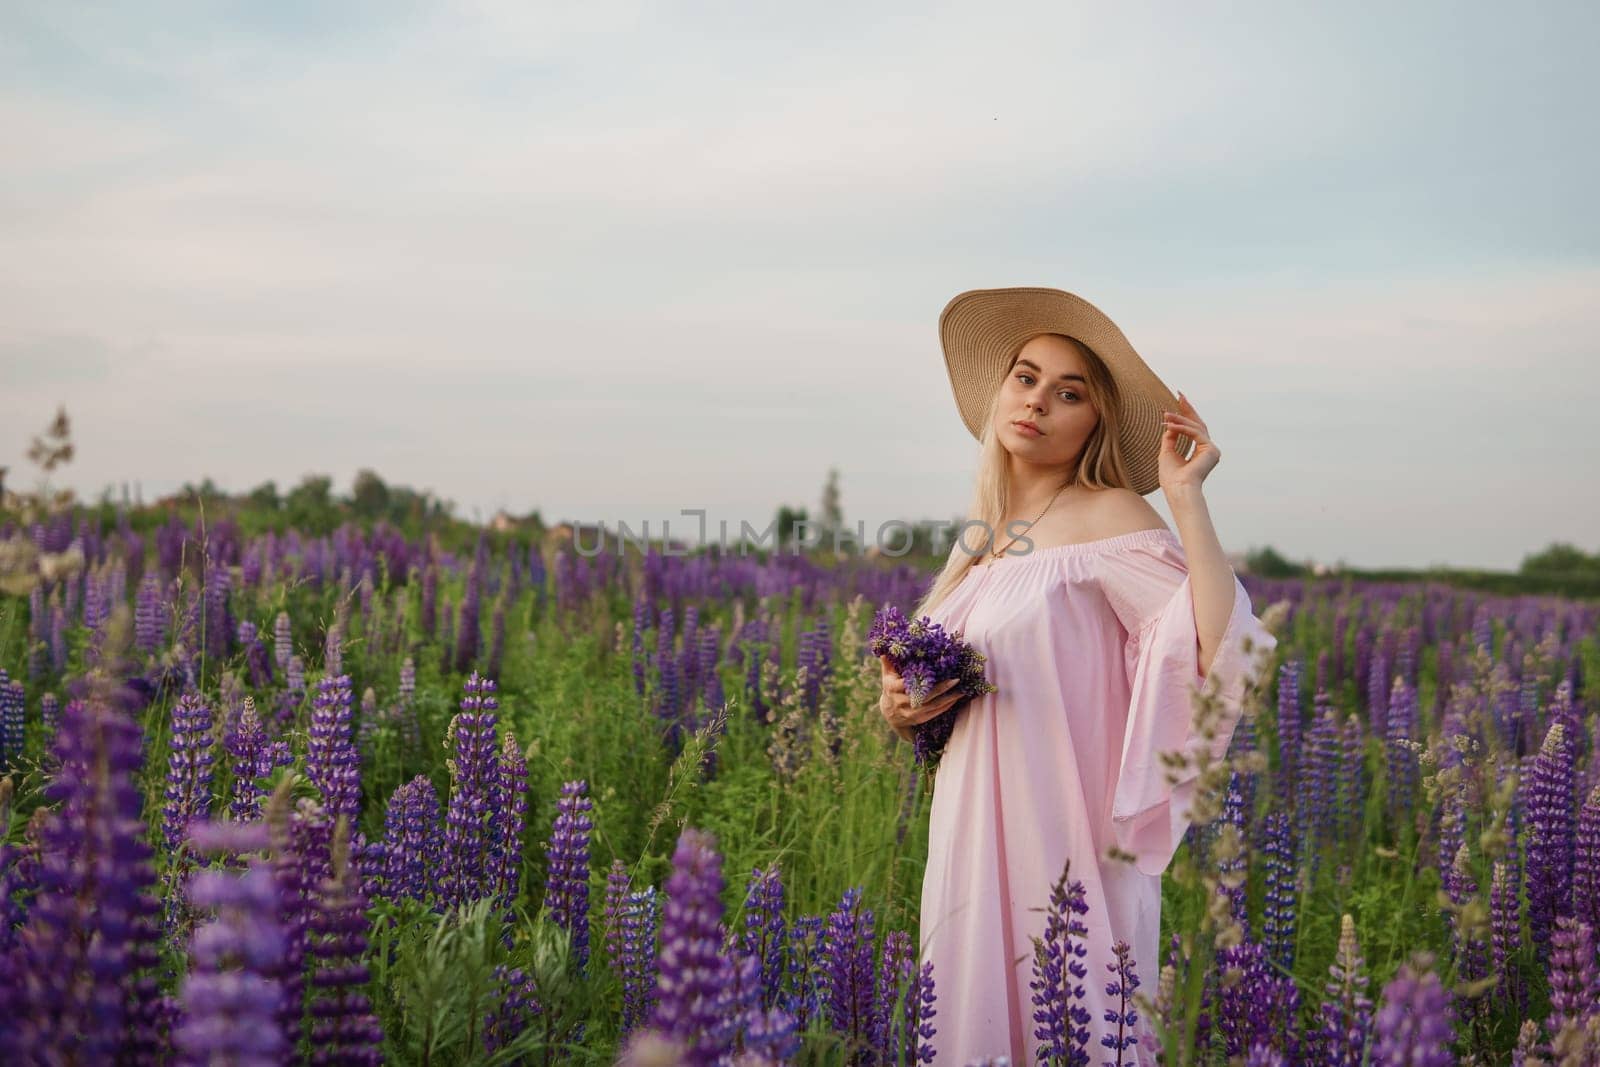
<point x="1148" y="587"/>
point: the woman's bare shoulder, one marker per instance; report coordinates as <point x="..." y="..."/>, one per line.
<point x="1114" y="511"/>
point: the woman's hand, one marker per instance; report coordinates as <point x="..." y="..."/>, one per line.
<point x="895" y="703"/>
<point x="1177" y="473"/>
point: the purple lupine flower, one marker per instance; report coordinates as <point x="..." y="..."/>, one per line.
<point x="511" y="821"/>
<point x="289" y="864"/>
<point x="765" y="935"/>
<point x="1260" y="1006"/>
<point x="408" y="680"/>
<point x="282" y="641"/>
<point x="1472" y="955"/>
<point x="1058" y="974"/>
<point x="1123" y="1019"/>
<point x="770" y="1036"/>
<point x="519" y="1006"/>
<point x="49" y="717"/>
<point x="467" y="639"/>
<point x="1415" y="1025"/>
<point x="58" y="640"/>
<point x="1528" y="1044"/>
<point x="1550" y="820"/>
<point x="19" y="879"/>
<point x="740" y="1003"/>
<point x="1353" y="782"/>
<point x="411" y="840"/>
<point x="1322" y="762"/>
<point x="95" y="606"/>
<point x="1404" y="724"/>
<point x="149" y="626"/>
<point x="641" y="620"/>
<point x="188" y="792"/>
<point x="756" y="1034"/>
<point x="693" y="975"/>
<point x="219" y="622"/>
<point x="232" y="991"/>
<point x="76" y="983"/>
<point x="818" y="662"/>
<point x="13" y="704"/>
<point x="1345" y="1015"/>
<point x="755" y="663"/>
<point x="1452" y="815"/>
<point x="333" y="652"/>
<point x="344" y="1030"/>
<point x="447" y="641"/>
<point x="896" y="969"/>
<point x="257" y="662"/>
<point x="667" y="703"/>
<point x="805" y="968"/>
<point x="1574" y="980"/>
<point x="639" y="977"/>
<point x="1263" y="1055"/>
<point x="618" y="887"/>
<point x="430" y="599"/>
<point x="469" y="832"/>
<point x="567" y="884"/>
<point x="1505" y="931"/>
<point x="1282" y="892"/>
<point x="1288" y="723"/>
<point x="251" y="760"/>
<point x="847" y="967"/>
<point x="916" y="1046"/>
<point x="304" y="842"/>
<point x="294" y="688"/>
<point x="1232" y="869"/>
<point x="332" y="762"/>
<point x="1586" y="862"/>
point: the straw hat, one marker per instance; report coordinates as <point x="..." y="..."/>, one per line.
<point x="981" y="329"/>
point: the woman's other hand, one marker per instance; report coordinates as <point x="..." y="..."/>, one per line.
<point x="895" y="703"/>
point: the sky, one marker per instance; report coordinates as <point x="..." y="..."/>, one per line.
<point x="615" y="261"/>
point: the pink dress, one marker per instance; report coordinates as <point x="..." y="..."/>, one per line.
<point x="1094" y="649"/>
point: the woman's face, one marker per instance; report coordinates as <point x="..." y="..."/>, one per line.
<point x="1045" y="387"/>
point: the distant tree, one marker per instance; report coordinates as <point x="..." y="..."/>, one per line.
<point x="369" y="496"/>
<point x="788" y="519"/>
<point x="1560" y="558"/>
<point x="208" y="492"/>
<point x="1269" y="563"/>
<point x="310" y="505"/>
<point x="265" y="496"/>
<point x="831" y="514"/>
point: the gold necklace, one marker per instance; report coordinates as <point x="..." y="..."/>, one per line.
<point x="1036" y="518"/>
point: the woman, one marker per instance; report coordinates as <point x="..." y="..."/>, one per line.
<point x="1098" y="623"/>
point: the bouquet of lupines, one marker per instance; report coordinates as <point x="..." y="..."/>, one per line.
<point x="925" y="655"/>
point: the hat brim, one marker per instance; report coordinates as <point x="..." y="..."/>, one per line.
<point x="981" y="329"/>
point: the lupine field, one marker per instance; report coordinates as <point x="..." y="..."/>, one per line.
<point x="354" y="798"/>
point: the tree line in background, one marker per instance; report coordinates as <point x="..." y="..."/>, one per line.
<point x="312" y="506"/>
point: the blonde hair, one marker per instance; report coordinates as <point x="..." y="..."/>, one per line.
<point x="1099" y="465"/>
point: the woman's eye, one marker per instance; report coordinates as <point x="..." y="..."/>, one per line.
<point x="1065" y="395"/>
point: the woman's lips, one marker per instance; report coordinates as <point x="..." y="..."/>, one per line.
<point x="1027" y="429"/>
